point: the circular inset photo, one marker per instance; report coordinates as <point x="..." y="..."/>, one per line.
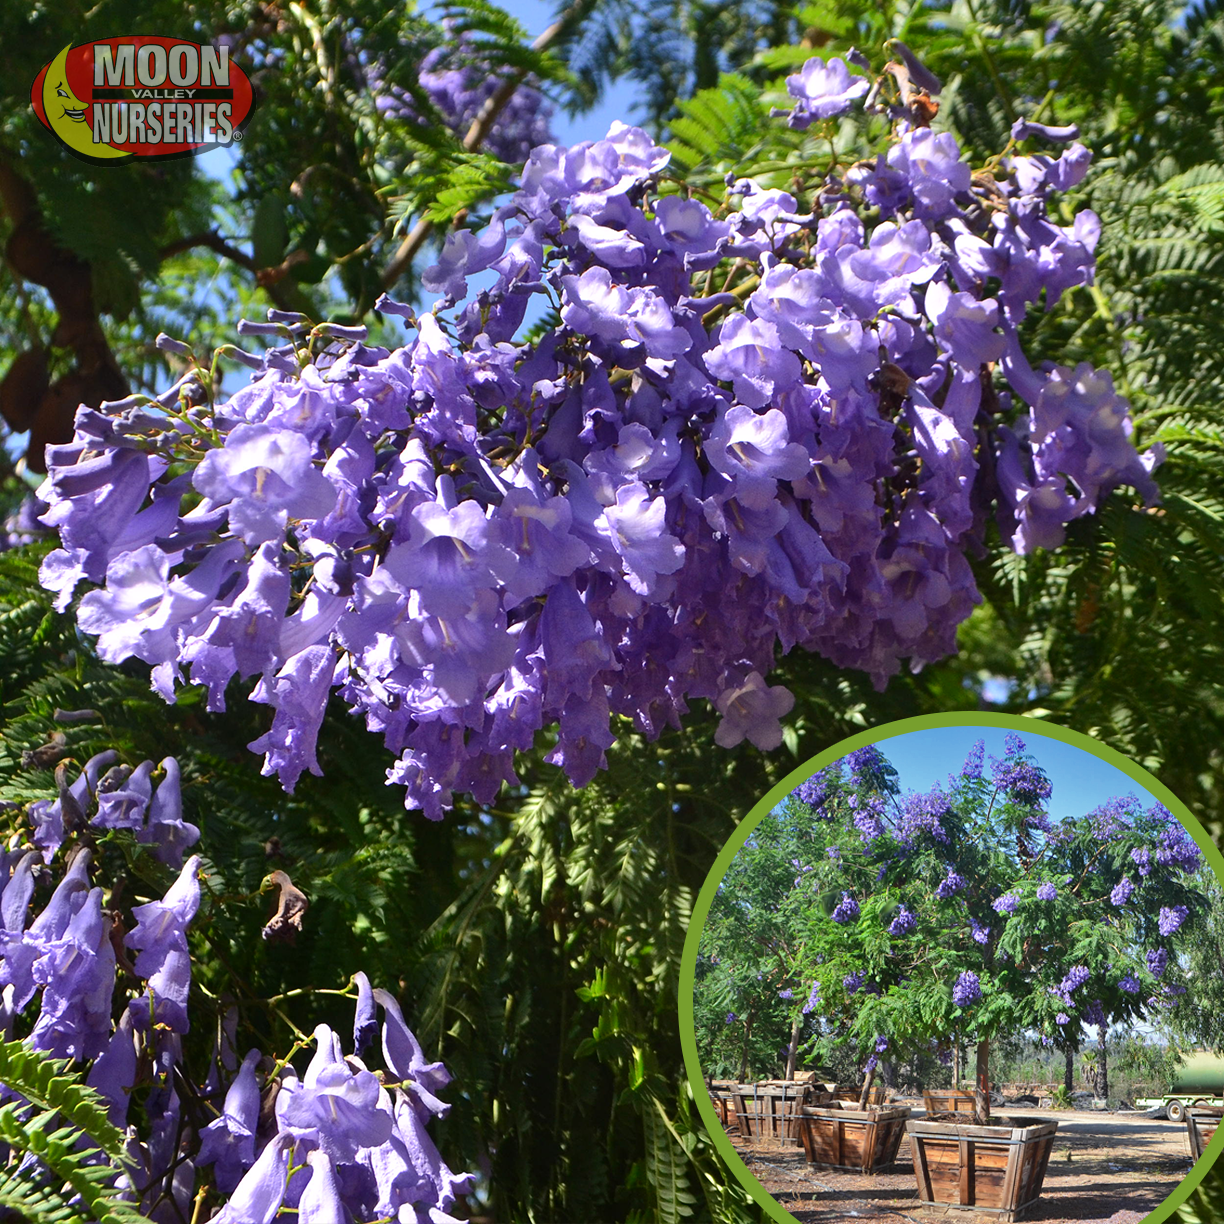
<point x="966" y="965"/>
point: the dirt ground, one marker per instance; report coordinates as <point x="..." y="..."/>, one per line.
<point x="1104" y="1169"/>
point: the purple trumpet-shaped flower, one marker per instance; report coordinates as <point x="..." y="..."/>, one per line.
<point x="1047" y="892"/>
<point x="749" y="354"/>
<point x="321" y="1201"/>
<point x="113" y="1075"/>
<point x="822" y="90"/>
<point x="903" y="923"/>
<point x="77" y="971"/>
<point x="404" y="1054"/>
<point x="1122" y="891"/>
<point x="259" y="1195"/>
<point x="22" y="949"/>
<point x="228" y="1143"/>
<point x="365" y="1017"/>
<point x="1171" y="918"/>
<point x="1006" y="904"/>
<point x="160" y="936"/>
<point x="166" y="830"/>
<point x="265" y="476"/>
<point x="299" y="693"/>
<point x="123" y="795"/>
<point x="333" y="1105"/>
<point x="752" y="710"/>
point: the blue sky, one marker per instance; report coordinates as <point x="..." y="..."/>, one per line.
<point x="1081" y="781"/>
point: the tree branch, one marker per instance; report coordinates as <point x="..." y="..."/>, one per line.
<point x="267" y="278"/>
<point x="214" y="242"/>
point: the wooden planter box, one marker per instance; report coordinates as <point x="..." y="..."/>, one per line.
<point x="770" y="1112"/>
<point x="993" y="1169"/>
<point x="947" y="1100"/>
<point x="874" y="1097"/>
<point x="724" y="1106"/>
<point x="1201" y="1124"/>
<point x="859" y="1140"/>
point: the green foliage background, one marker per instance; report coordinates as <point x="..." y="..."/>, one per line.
<point x="536" y="945"/>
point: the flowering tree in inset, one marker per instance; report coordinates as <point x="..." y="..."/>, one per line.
<point x="965" y="910"/>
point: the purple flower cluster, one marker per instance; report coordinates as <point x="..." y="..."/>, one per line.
<point x="980" y="933"/>
<point x="1076" y="977"/>
<point x="869" y="767"/>
<point x="730" y="1018"/>
<point x="869" y="821"/>
<point x="853" y="981"/>
<point x="1020" y="779"/>
<point x="1122" y="892"/>
<point x="1094" y="1013"/>
<point x="1172" y="917"/>
<point x="881" y="1044"/>
<point x="68" y="952"/>
<point x="1157" y="961"/>
<point x="1129" y="983"/>
<point x="1047" y="892"/>
<point x="344" y="1145"/>
<point x="972" y="767"/>
<point x="786" y="994"/>
<point x="473" y="537"/>
<point x="813" y="791"/>
<point x="903" y="923"/>
<point x="1006" y="904"/>
<point x="459" y="84"/>
<point x="967" y="990"/>
<point x="812" y="999"/>
<point x="950" y="885"/>
<point x="1142" y="858"/>
<point x="924" y="813"/>
<point x="847" y="909"/>
<point x="1115" y="816"/>
<point x="1177" y="848"/>
<point x="122" y="797"/>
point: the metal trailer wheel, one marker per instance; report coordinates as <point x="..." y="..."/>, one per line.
<point x="1176" y="1111"/>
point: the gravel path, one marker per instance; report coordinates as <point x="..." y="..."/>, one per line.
<point x="1120" y="1167"/>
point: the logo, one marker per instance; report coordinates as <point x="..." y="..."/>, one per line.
<point x="116" y="99"/>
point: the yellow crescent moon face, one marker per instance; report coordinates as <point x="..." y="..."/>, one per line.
<point x="66" y="112"/>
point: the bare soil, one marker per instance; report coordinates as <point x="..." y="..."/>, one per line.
<point x="1104" y="1169"/>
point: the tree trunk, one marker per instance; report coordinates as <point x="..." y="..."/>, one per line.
<point x="868" y="1080"/>
<point x="890" y="1074"/>
<point x="1069" y="1072"/>
<point x="793" y="1049"/>
<point x="743" y="1075"/>
<point x="1102" y="1082"/>
<point x="981" y="1088"/>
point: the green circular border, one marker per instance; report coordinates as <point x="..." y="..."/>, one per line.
<point x="688" y="960"/>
